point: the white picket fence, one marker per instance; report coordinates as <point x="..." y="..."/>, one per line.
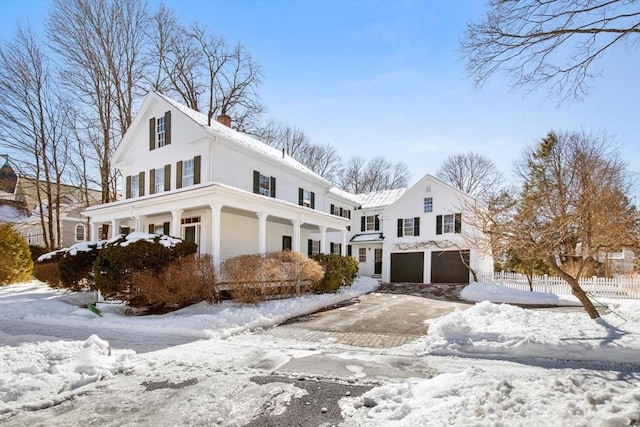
<point x="621" y="287"/>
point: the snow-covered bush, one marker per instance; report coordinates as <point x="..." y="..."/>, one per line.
<point x="15" y="257"/>
<point x="187" y="280"/>
<point x="338" y="271"/>
<point x="123" y="256"/>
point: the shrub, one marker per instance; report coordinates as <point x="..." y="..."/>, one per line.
<point x="338" y="271"/>
<point x="36" y="252"/>
<point x="121" y="258"/>
<point x="48" y="273"/>
<point x="15" y="258"/>
<point x="76" y="267"/>
<point x="255" y="278"/>
<point x="187" y="280"/>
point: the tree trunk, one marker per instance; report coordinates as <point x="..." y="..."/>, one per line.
<point x="576" y="290"/>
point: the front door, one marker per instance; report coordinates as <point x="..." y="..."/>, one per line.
<point x="191" y="233"/>
<point x="286" y="243"/>
<point x="377" y="267"/>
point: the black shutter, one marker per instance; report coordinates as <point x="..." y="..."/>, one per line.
<point x="150" y="228"/>
<point x="309" y="248"/>
<point x="256" y="182"/>
<point x="141" y="184"/>
<point x="273" y="187"/>
<point x="152" y="133"/>
<point x="179" y="174"/>
<point x="300" y="196"/>
<point x="167" y="128"/>
<point x="165" y="228"/>
<point x="196" y="169"/>
<point x="363" y="222"/>
<point x="152" y="181"/>
<point x="377" y="223"/>
<point x="439" y="224"/>
<point x="458" y="223"/>
<point x="128" y="188"/>
<point x="167" y="177"/>
<point x="313" y="200"/>
<point x="333" y="209"/>
<point x="349" y="250"/>
<point x="348" y="214"/>
<point x="416" y="226"/>
<point x="400" y="227"/>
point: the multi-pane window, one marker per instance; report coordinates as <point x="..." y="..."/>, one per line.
<point x="159" y="180"/>
<point x="135" y="186"/>
<point x="265" y="185"/>
<point x="314" y="247"/>
<point x="306" y="198"/>
<point x="362" y="254"/>
<point x="448" y="223"/>
<point x="408" y="227"/>
<point x="371" y="223"/>
<point x="428" y="204"/>
<point x="80" y="233"/>
<point x="187" y="173"/>
<point x="336" y="248"/>
<point x="160" y="131"/>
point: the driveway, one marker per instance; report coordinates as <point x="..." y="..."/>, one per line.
<point x="392" y="316"/>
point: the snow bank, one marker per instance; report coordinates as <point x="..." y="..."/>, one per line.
<point x="505" y="331"/>
<point x="496" y="293"/>
<point x="39" y="375"/>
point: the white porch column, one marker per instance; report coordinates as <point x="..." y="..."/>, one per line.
<point x="216" y="209"/>
<point x="262" y="232"/>
<point x="115" y="227"/>
<point x="343" y="248"/>
<point x="176" y="217"/>
<point x="323" y="239"/>
<point x="94" y="230"/>
<point x="140" y="223"/>
<point x="295" y="243"/>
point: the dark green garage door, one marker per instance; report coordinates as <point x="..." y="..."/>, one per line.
<point x="407" y="267"/>
<point x="448" y="267"/>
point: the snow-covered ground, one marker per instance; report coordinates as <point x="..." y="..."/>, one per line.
<point x="497" y="364"/>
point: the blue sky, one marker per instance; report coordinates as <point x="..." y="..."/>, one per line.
<point x="385" y="78"/>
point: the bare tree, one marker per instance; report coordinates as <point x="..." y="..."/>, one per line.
<point x="322" y="159"/>
<point x="552" y="42"/>
<point x="471" y="173"/>
<point x="571" y="210"/>
<point x="101" y="43"/>
<point x="362" y="176"/>
<point x="34" y="125"/>
<point x="207" y="74"/>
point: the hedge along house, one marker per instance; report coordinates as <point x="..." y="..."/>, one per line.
<point x="200" y="180"/>
<point x="429" y="236"/>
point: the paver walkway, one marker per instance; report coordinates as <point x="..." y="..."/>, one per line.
<point x="376" y="320"/>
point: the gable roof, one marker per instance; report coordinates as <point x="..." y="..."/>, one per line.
<point x="241" y="139"/>
<point x="378" y="199"/>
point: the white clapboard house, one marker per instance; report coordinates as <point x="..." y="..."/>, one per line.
<point x="234" y="195"/>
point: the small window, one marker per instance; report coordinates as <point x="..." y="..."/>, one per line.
<point x="187" y="173"/>
<point x="160" y="132"/>
<point x="159" y="180"/>
<point x="448" y="224"/>
<point x="362" y="254"/>
<point x="135" y="186"/>
<point x="408" y="227"/>
<point x="81" y="235"/>
<point x="428" y="204"/>
<point x="265" y="185"/>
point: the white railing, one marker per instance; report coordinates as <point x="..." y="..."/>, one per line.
<point x="620" y="287"/>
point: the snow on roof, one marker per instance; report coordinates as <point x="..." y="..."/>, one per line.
<point x="371" y="237"/>
<point x="379" y="198"/>
<point x="241" y="138"/>
<point x="344" y="194"/>
<point x="10" y="213"/>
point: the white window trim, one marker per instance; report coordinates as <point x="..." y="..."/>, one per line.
<point x="84" y="233"/>
<point x="188" y="169"/>
<point x="135" y="186"/>
<point x="159" y="183"/>
<point x="264" y="185"/>
<point x="448" y="224"/>
<point x="408" y="230"/>
<point x="160" y="131"/>
<point x="428" y="204"/>
<point x="362" y="254"/>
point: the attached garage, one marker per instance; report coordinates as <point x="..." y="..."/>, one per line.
<point x="407" y="267"/>
<point x="449" y="267"/>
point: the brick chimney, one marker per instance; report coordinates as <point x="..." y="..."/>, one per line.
<point x="224" y="119"/>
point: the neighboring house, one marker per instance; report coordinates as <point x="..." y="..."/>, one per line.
<point x="19" y="205"/>
<point x="219" y="188"/>
<point x="623" y="262"/>
<point x="233" y="195"/>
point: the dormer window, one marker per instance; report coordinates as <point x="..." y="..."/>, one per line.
<point x="160" y="135"/>
<point x="160" y="131"/>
